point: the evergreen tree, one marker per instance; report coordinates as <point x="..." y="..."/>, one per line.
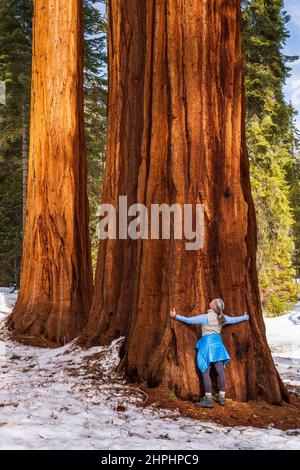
<point x="95" y="83"/>
<point x="294" y="178"/>
<point x="271" y="142"/>
<point x="56" y="278"/>
<point x="15" y="71"/>
<point x="15" y="66"/>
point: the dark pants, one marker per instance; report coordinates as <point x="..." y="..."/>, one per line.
<point x="219" y="366"/>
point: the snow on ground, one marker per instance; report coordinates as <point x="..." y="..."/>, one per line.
<point x="68" y="398"/>
<point x="283" y="335"/>
<point x="7" y="300"/>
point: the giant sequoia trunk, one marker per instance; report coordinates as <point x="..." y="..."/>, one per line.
<point x="24" y="156"/>
<point x="176" y="135"/>
<point x="56" y="280"/>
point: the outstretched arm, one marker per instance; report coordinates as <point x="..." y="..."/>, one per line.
<point x="235" y="320"/>
<point x="197" y="320"/>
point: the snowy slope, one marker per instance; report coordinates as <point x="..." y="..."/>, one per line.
<point x="72" y="399"/>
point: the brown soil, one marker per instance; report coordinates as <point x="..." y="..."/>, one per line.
<point x="253" y="413"/>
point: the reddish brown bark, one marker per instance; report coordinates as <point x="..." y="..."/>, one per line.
<point x="177" y="134"/>
<point x="56" y="279"/>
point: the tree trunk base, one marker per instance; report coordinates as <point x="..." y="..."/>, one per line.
<point x="44" y="326"/>
<point x="258" y="413"/>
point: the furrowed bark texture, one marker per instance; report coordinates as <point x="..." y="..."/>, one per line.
<point x="56" y="279"/>
<point x="177" y="135"/>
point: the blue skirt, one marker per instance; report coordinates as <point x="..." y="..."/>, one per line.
<point x="210" y="348"/>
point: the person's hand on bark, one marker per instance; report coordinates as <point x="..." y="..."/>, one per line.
<point x="173" y="313"/>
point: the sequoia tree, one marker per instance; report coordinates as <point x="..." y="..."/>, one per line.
<point x="176" y="134"/>
<point x="56" y="280"/>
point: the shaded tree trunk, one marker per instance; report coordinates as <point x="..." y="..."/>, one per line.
<point x="56" y="279"/>
<point x="176" y="134"/>
<point x="24" y="156"/>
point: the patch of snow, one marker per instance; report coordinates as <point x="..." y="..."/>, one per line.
<point x="283" y="335"/>
<point x="69" y="398"/>
<point x="7" y="300"/>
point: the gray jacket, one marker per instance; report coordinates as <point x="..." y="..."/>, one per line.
<point x="209" y="321"/>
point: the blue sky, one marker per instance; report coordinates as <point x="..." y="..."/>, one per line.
<point x="102" y="8"/>
<point x="292" y="47"/>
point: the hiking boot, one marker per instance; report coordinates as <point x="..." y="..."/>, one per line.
<point x="220" y="399"/>
<point x="205" y="402"/>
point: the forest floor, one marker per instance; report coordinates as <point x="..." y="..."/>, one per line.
<point x="69" y="398"/>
